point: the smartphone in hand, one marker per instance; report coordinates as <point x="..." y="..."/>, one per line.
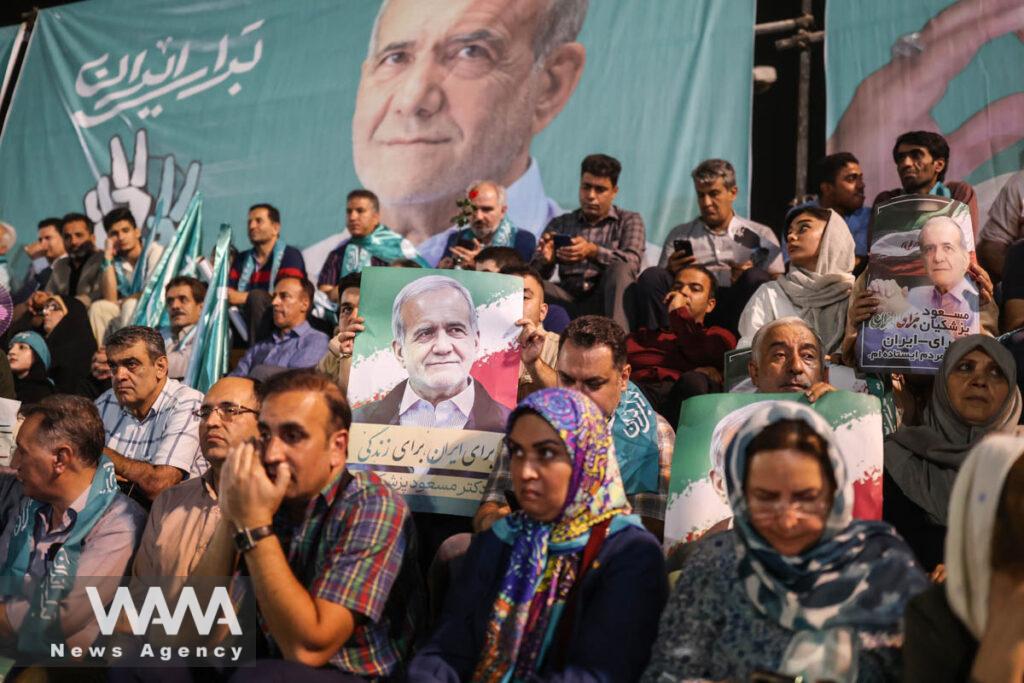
<point x="561" y="240"/>
<point x="685" y="246"/>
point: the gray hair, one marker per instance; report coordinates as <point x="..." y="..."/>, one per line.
<point x="129" y="336"/>
<point x="560" y="23"/>
<point x="499" y="190"/>
<point x="425" y="285"/>
<point x="942" y="220"/>
<point x="710" y="170"/>
<point x="792" y="320"/>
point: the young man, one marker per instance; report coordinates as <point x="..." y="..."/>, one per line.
<point x="184" y="298"/>
<point x="327" y="550"/>
<point x="121" y="284"/>
<point x="538" y="347"/>
<point x="74" y="523"/>
<point x="294" y="343"/>
<point x="80" y="274"/>
<point x="369" y="243"/>
<point x="741" y="254"/>
<point x="489" y="227"/>
<point x="841" y="188"/>
<point x="592" y="360"/>
<point x="48" y="247"/>
<point x="149" y="420"/>
<point x="184" y="517"/>
<point x="600" y="247"/>
<point x="337" y="362"/>
<point x="684" y="358"/>
<point x="496" y="259"/>
<point x="254" y="272"/>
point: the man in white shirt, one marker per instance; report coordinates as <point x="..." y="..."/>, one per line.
<point x="184" y="298"/>
<point x="436" y="339"/>
<point x="740" y="253"/>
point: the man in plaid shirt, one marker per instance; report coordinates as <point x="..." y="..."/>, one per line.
<point x="604" y="251"/>
<point x="152" y="434"/>
<point x="592" y="360"/>
<point x="329" y="552"/>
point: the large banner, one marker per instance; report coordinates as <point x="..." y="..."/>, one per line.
<point x="952" y="66"/>
<point x="697" y="498"/>
<point x="295" y="103"/>
<point x="434" y="377"/>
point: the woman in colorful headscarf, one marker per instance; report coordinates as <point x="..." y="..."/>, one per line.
<point x="797" y="586"/>
<point x="974" y="394"/>
<point x="953" y="632"/>
<point x="817" y="284"/>
<point x="569" y="585"/>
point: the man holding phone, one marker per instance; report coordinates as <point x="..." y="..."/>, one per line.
<point x="598" y="248"/>
<point x="489" y="226"/>
<point x="741" y="254"/>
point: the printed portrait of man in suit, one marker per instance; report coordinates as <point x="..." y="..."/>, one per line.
<point x="436" y="339"/>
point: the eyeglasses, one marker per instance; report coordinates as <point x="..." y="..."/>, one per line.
<point x="228" y="411"/>
<point x="777" y="508"/>
<point x="52" y="307"/>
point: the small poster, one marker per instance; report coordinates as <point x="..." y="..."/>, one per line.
<point x="434" y="378"/>
<point x="697" y="499"/>
<point x="920" y="253"/>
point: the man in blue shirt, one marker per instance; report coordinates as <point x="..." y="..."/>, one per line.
<point x="293" y="343"/>
<point x="841" y="188"/>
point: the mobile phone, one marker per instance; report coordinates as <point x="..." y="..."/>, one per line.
<point x="466" y="244"/>
<point x="685" y="246"/>
<point x="510" y="498"/>
<point x="561" y="240"/>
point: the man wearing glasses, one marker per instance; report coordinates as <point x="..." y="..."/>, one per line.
<point x="184" y="517"/>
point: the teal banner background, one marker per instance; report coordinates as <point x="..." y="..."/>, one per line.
<point x="665" y="84"/>
<point x="961" y="76"/>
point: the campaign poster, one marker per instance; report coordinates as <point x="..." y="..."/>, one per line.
<point x="920" y="252"/>
<point x="434" y="378"/>
<point x="698" y="501"/>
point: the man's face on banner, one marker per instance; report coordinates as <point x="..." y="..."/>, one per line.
<point x="439" y="343"/>
<point x="447" y="96"/>
<point x="943" y="253"/>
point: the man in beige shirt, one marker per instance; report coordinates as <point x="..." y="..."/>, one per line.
<point x="539" y="348"/>
<point x="184" y="517"/>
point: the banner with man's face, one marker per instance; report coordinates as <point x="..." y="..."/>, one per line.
<point x="920" y="252"/>
<point x="949" y="66"/>
<point x="124" y="102"/>
<point x="698" y="500"/>
<point x="434" y="378"/>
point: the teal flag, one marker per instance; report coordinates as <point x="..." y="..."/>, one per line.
<point x="209" y="361"/>
<point x="179" y="258"/>
<point x="951" y="66"/>
<point x="123" y="102"/>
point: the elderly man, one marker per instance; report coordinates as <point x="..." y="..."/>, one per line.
<point x="152" y="432"/>
<point x="489" y="226"/>
<point x="184" y="517"/>
<point x="184" y="298"/>
<point x="740" y="253"/>
<point x="592" y="360"/>
<point x="122" y="280"/>
<point x="598" y="248"/>
<point x="254" y="272"/>
<point x="786" y="357"/>
<point x="80" y="273"/>
<point x="454" y="90"/>
<point x="436" y="340"/>
<point x="74" y="523"/>
<point x="294" y="343"/>
<point x="327" y="550"/>
<point x="369" y="244"/>
<point x="946" y="260"/>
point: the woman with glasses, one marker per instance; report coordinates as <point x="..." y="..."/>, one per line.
<point x="65" y="325"/>
<point x="797" y="587"/>
<point x="569" y="586"/>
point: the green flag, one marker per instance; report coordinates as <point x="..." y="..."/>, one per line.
<point x="179" y="258"/>
<point x="209" y="361"/>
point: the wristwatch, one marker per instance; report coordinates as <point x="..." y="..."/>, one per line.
<point x="246" y="539"/>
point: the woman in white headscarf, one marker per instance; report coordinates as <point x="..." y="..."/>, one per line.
<point x="817" y="285"/>
<point x="972" y="626"/>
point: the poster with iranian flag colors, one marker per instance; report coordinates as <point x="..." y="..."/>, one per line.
<point x="434" y="378"/>
<point x="697" y="501"/>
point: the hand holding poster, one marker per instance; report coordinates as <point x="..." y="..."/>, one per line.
<point x="920" y="255"/>
<point x="434" y="377"/>
<point x="697" y="497"/>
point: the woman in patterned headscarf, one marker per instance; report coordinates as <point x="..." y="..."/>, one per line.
<point x="569" y="581"/>
<point x="797" y="586"/>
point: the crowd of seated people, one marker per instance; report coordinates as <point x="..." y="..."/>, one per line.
<point x="123" y="470"/>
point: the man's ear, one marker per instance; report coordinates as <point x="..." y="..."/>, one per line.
<point x="558" y="79"/>
<point x="712" y="302"/>
<point x="337" y="444"/>
<point x="624" y="377"/>
<point x="62" y="459"/>
<point x="940" y="165"/>
<point x="396" y="348"/>
<point x="752" y="371"/>
<point x="543" y="312"/>
<point x="161" y="366"/>
<point x="734" y="191"/>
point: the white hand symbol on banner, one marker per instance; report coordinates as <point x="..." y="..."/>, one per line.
<point x="124" y="187"/>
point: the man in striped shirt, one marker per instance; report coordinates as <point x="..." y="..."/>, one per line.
<point x="152" y="435"/>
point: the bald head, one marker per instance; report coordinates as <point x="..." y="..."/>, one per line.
<point x="221" y="430"/>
